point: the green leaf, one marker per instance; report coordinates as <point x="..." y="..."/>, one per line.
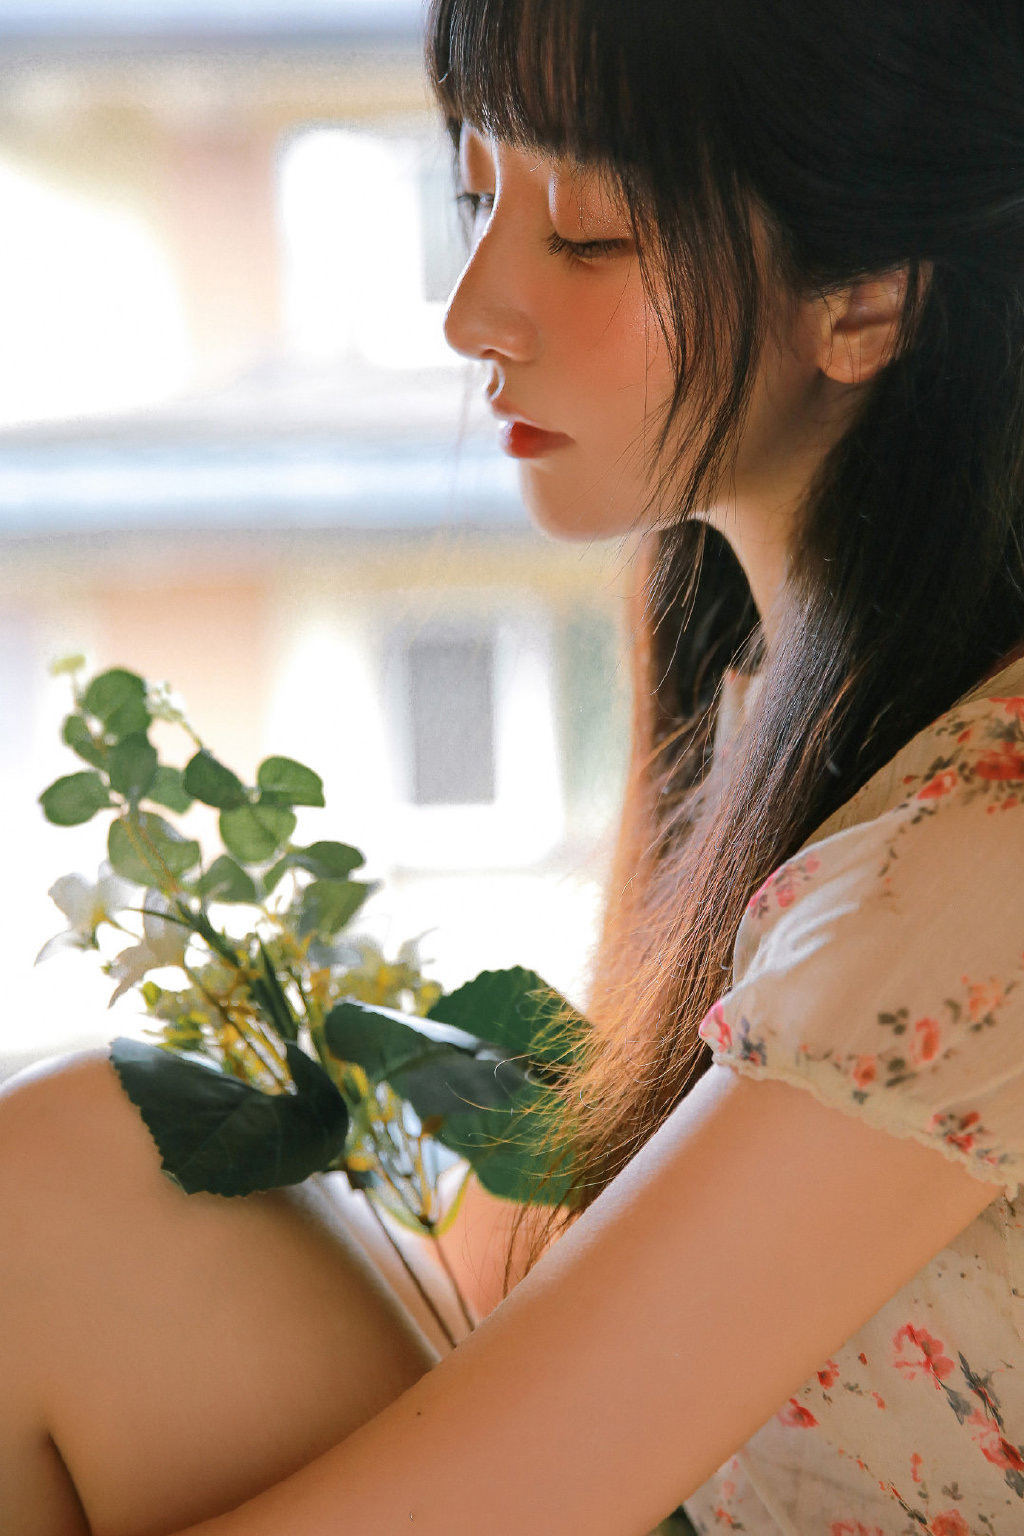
<point x="208" y="780"/>
<point x="275" y="874"/>
<point x="132" y="766"/>
<point x="227" y="881"/>
<point x="167" y="789"/>
<point x="377" y="1039"/>
<point x="75" y="799"/>
<point x="518" y="1011"/>
<point x="110" y="691"/>
<point x="118" y="698"/>
<point x="438" y="1074"/>
<point x="496" y="1016"/>
<point x="286" y="782"/>
<point x="133" y="717"/>
<point x="327" y="861"/>
<point x="448" y="1082"/>
<point x="254" y="833"/>
<point x="218" y="1134"/>
<point x="77" y="735"/>
<point x="503" y="1147"/>
<point x="147" y="849"/>
<point x="490" y="1111"/>
<point x="327" y="905"/>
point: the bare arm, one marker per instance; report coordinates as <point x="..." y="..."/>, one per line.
<point x="741" y="1247"/>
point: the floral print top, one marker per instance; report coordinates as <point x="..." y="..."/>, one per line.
<point x="882" y="969"/>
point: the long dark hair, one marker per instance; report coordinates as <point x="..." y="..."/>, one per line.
<point x="866" y="136"/>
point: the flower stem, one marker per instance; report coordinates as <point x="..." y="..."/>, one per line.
<point x="442" y="1259"/>
<point x="273" y="1064"/>
<point x="416" y="1215"/>
<point x="413" y="1276"/>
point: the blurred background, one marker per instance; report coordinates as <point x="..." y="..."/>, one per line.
<point x="236" y="455"/>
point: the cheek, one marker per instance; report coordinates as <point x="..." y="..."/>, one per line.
<point x="610" y="363"/>
<point x="613" y="348"/>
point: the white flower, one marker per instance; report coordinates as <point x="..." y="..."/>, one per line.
<point x="86" y="904"/>
<point x="409" y="952"/>
<point x="164" y="704"/>
<point x="163" y="943"/>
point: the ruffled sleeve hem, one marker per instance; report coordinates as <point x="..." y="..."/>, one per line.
<point x="871" y="1113"/>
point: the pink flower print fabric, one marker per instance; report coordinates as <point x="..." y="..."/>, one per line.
<point x="904" y="928"/>
<point x="882" y="970"/>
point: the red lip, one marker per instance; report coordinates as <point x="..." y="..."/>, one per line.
<point x="521" y="440"/>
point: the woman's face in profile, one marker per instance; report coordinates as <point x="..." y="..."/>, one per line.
<point x="578" y="372"/>
<point x="552" y="303"/>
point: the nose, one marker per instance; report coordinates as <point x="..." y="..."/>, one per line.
<point x="487" y="318"/>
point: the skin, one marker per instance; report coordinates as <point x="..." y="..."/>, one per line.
<point x="169" y="1355"/>
<point x="165" y="1355"/>
<point x="571" y="341"/>
<point x="274" y="1325"/>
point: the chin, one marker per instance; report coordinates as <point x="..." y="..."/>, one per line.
<point x="574" y="518"/>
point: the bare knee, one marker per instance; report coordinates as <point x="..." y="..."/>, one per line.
<point x="182" y="1314"/>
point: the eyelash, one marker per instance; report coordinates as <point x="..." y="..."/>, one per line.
<point x="473" y="201"/>
<point x="583" y="251"/>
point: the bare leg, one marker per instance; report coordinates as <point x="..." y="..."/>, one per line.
<point x="180" y="1352"/>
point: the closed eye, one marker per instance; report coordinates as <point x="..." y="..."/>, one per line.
<point x="588" y="250"/>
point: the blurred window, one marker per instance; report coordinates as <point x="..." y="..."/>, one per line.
<point x="18" y="661"/>
<point x="451" y="721"/>
<point x="91" y="319"/>
<point x="371" y="245"/>
<point x="472" y="732"/>
<point x="593" y="711"/>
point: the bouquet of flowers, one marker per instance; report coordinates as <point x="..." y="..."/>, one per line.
<point x="290" y="1046"/>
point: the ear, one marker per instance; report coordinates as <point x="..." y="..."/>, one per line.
<point x="857" y="327"/>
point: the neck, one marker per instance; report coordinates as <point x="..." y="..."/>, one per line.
<point x="760" y="540"/>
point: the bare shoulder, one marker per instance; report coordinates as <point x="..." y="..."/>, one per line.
<point x="263" y="1313"/>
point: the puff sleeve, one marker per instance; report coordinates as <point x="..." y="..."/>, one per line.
<point x="881" y="967"/>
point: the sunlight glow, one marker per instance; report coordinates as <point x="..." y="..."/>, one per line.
<point x="90" y="318"/>
<point x="353" y="206"/>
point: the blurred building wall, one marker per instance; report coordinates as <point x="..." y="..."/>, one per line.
<point x="273" y="530"/>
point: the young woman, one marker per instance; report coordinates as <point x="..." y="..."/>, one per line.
<point x="746" y="284"/>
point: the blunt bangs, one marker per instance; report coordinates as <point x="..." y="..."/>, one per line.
<point x="566" y="77"/>
<point x="521" y="71"/>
